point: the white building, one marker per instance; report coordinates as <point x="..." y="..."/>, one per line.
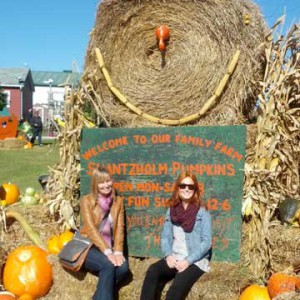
<point x="50" y="92"/>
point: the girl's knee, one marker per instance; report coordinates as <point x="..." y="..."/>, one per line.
<point x="153" y="271"/>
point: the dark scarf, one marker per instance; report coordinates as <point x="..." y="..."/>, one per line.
<point x="185" y="218"/>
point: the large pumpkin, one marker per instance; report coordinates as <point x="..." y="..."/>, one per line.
<point x="27" y="271"/>
<point x="10" y="193"/>
<point x="280" y="283"/>
<point x="255" y="292"/>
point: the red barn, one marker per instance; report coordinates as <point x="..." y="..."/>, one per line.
<point x="18" y="85"/>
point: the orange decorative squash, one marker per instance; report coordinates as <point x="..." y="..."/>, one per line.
<point x="27" y="271"/>
<point x="255" y="292"/>
<point x="280" y="283"/>
<point x="53" y="244"/>
<point x="9" y="193"/>
<point x="162" y="34"/>
<point x="65" y="237"/>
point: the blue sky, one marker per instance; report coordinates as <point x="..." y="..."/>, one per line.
<point x="53" y="35"/>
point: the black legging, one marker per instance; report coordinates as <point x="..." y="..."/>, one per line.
<point x="160" y="272"/>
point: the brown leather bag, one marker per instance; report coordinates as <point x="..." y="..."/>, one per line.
<point x="73" y="254"/>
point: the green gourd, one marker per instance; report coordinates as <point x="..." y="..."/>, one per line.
<point x="289" y="210"/>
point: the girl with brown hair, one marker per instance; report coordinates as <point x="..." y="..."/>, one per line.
<point x="185" y="243"/>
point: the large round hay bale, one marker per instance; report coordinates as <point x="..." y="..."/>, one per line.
<point x="204" y="37"/>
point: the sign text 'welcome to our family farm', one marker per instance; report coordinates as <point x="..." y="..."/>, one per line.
<point x="145" y="162"/>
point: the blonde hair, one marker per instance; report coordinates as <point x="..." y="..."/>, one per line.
<point x="100" y="175"/>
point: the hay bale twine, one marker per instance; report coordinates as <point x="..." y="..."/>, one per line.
<point x="204" y="37"/>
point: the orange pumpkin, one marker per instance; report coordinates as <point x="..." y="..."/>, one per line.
<point x="7" y="296"/>
<point x="255" y="292"/>
<point x="65" y="237"/>
<point x="10" y="193"/>
<point x="28" y="146"/>
<point x="280" y="283"/>
<point x="27" y="271"/>
<point x="53" y="244"/>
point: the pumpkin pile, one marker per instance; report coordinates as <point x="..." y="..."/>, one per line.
<point x="278" y="284"/>
<point x="27" y="273"/>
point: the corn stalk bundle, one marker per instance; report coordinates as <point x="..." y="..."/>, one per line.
<point x="207" y="71"/>
<point x="272" y="170"/>
<point x="63" y="184"/>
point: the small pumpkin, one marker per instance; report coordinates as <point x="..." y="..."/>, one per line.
<point x="65" y="237"/>
<point x="9" y="193"/>
<point x="289" y="210"/>
<point x="280" y="283"/>
<point x="53" y="245"/>
<point x="28" y="146"/>
<point x="255" y="292"/>
<point x="27" y="271"/>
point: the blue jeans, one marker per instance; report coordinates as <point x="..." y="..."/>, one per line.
<point x="108" y="275"/>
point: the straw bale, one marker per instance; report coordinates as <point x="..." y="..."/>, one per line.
<point x="12" y="143"/>
<point x="204" y="37"/>
<point x="223" y="282"/>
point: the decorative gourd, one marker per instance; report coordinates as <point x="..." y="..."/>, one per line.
<point x="27" y="271"/>
<point x="289" y="210"/>
<point x="53" y="244"/>
<point x="255" y="292"/>
<point x="7" y="296"/>
<point x="10" y="193"/>
<point x="280" y="283"/>
<point x="65" y="237"/>
<point x="162" y="34"/>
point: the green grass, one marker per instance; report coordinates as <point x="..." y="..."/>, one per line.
<point x="24" y="166"/>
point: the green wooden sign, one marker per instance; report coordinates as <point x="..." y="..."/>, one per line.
<point x="145" y="162"/>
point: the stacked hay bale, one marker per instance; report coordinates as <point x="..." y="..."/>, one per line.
<point x="205" y="37"/>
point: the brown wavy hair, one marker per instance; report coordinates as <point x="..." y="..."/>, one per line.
<point x="100" y="175"/>
<point x="196" y="197"/>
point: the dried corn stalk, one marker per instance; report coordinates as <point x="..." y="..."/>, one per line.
<point x="63" y="185"/>
<point x="272" y="170"/>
